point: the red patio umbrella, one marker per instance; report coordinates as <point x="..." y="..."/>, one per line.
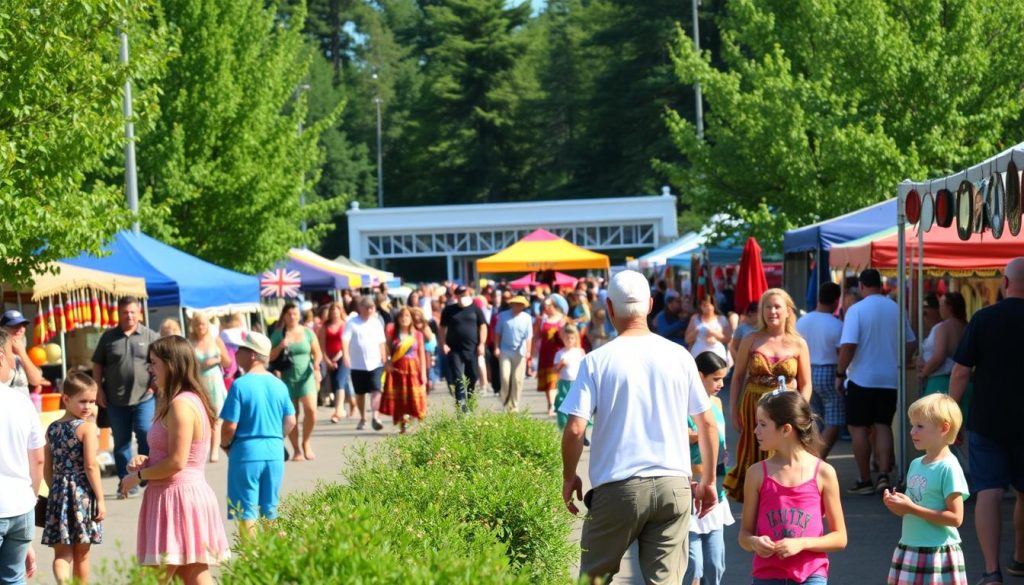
<point x="750" y="281"/>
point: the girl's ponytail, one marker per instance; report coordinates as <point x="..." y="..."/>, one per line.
<point x="788" y="407"/>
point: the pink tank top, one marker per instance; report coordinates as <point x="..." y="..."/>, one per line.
<point x="159" y="446"/>
<point x="790" y="512"/>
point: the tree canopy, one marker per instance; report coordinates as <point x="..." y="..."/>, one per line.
<point x="60" y="120"/>
<point x="227" y="164"/>
<point x="821" y="108"/>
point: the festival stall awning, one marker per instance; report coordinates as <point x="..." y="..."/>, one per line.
<point x="716" y="256"/>
<point x="659" y="256"/>
<point x="319" y="273"/>
<point x="542" y="250"/>
<point x="944" y="252"/>
<point x="378" y="275"/>
<point x="561" y="279"/>
<point x="73" y="297"/>
<point x="174" y="278"/>
<point x="69" y="278"/>
<point x="825" y="234"/>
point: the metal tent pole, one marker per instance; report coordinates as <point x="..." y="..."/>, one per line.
<point x="901" y="350"/>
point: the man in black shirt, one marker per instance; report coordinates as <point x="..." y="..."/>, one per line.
<point x="464" y="334"/>
<point x="991" y="348"/>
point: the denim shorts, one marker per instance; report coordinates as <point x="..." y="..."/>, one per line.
<point x="995" y="466"/>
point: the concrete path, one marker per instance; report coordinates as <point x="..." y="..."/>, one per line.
<point x="873" y="531"/>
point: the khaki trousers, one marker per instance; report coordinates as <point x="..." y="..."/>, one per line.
<point x="655" y="512"/>
<point x="512" y="368"/>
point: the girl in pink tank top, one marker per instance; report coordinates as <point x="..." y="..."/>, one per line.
<point x="791" y="510"/>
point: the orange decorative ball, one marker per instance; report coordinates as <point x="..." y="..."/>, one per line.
<point x="38" y="355"/>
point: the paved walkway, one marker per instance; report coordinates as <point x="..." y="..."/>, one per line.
<point x="873" y="531"/>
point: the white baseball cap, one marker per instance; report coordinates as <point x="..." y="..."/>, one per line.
<point x="629" y="287"/>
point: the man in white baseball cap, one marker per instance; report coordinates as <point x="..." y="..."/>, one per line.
<point x="257" y="416"/>
<point x="644" y="386"/>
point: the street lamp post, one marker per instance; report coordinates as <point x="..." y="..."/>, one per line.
<point x="302" y="192"/>
<point x="380" y="152"/>
<point x="131" y="180"/>
<point x="699" y="105"/>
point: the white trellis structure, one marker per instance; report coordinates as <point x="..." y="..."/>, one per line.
<point x="463" y="233"/>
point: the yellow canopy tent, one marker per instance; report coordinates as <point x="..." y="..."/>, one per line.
<point x="542" y="250"/>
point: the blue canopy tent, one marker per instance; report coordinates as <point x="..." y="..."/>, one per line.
<point x="174" y="278"/>
<point x="800" y="277"/>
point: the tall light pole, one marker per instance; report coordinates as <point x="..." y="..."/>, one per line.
<point x="131" y="180"/>
<point x="699" y="105"/>
<point x="302" y="192"/>
<point x="380" y="152"/>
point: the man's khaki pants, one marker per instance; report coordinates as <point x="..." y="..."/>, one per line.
<point x="512" y="367"/>
<point x="654" y="511"/>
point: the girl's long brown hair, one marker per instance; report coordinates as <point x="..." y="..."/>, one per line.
<point x="182" y="374"/>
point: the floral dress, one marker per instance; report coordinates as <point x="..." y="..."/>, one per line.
<point x="71" y="507"/>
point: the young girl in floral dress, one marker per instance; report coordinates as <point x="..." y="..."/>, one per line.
<point x="75" y="507"/>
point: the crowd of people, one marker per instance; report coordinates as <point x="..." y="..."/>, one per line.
<point x="796" y="383"/>
<point x="628" y="360"/>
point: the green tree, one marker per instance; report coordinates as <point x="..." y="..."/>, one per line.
<point x="60" y="118"/>
<point x="821" y="108"/>
<point x="459" y="149"/>
<point x="227" y="156"/>
<point x="626" y="46"/>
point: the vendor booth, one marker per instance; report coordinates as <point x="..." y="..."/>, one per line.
<point x="379" y="276"/>
<point x="534" y="278"/>
<point x="807" y="249"/>
<point x="174" y="278"/>
<point x="659" y="257"/>
<point x="984" y="203"/>
<point x="542" y="250"/>
<point x="70" y="300"/>
<point x="319" y="273"/>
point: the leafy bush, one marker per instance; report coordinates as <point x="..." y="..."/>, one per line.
<point x="467" y="500"/>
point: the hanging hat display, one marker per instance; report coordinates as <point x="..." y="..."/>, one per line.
<point x="944" y="208"/>
<point x="912" y="206"/>
<point x="995" y="205"/>
<point x="1012" y="209"/>
<point x="964" y="209"/>
<point x="927" y="211"/>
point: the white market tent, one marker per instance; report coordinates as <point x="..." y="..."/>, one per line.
<point x="658" y="257"/>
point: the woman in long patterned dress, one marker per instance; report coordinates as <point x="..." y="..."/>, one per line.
<point x="180" y="526"/>
<point x="213" y="357"/>
<point x="549" y="324"/>
<point x="405" y="395"/>
<point x="775" y="350"/>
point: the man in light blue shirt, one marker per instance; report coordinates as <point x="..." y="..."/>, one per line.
<point x="513" y="340"/>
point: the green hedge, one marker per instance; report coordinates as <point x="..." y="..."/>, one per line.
<point x="463" y="500"/>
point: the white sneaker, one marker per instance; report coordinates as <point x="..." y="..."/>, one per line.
<point x="361" y="425"/>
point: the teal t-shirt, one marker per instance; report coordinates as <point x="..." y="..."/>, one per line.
<point x="695" y="448"/>
<point x="258" y="403"/>
<point x="928" y="485"/>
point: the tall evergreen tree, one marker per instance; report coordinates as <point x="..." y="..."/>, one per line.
<point x="458" y="147"/>
<point x="227" y="157"/>
<point x="627" y="43"/>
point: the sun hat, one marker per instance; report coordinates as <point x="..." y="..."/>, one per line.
<point x="519" y="300"/>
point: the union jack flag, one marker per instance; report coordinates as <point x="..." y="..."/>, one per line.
<point x="280" y="283"/>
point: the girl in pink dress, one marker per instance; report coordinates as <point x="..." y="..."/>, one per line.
<point x="180" y="526"/>
<point x="791" y="511"/>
